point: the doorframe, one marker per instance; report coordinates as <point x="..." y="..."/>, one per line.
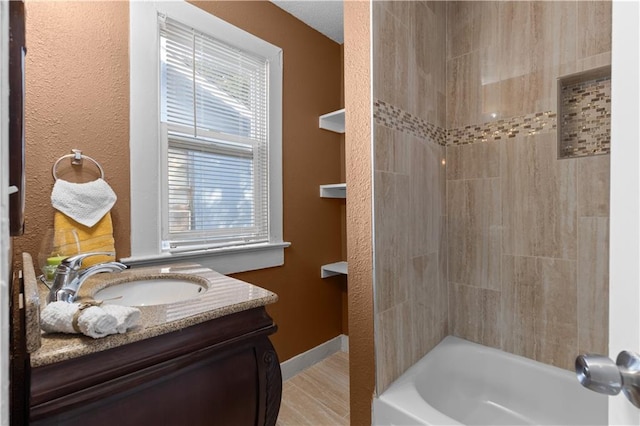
<point x="5" y="246"/>
<point x="624" y="257"/>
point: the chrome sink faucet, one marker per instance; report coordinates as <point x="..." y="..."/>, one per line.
<point x="70" y="276"/>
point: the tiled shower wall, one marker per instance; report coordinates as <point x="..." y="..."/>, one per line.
<point x="506" y="245"/>
<point x="409" y="183"/>
<point x="528" y="233"/>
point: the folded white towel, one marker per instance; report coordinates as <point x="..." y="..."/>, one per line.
<point x="86" y="203"/>
<point x="58" y="317"/>
<point x="126" y="316"/>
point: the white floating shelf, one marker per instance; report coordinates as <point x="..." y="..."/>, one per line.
<point x="338" y="268"/>
<point x="336" y="190"/>
<point x="333" y="121"/>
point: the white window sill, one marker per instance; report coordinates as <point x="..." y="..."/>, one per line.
<point x="226" y="260"/>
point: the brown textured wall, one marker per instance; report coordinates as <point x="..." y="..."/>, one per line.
<point x="357" y="74"/>
<point x="309" y="311"/>
<point x="78" y="97"/>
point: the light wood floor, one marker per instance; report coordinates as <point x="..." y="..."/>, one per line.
<point x="317" y="396"/>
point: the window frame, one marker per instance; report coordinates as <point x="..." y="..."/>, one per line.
<point x="146" y="141"/>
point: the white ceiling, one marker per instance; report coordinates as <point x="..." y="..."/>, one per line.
<point x="324" y="15"/>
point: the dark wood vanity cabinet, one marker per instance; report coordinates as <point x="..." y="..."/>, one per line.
<point x="221" y="372"/>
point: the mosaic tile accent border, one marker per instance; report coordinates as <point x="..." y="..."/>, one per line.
<point x="592" y="130"/>
<point x="530" y="124"/>
<point x="585" y="118"/>
<point x="395" y="118"/>
<point x="524" y="125"/>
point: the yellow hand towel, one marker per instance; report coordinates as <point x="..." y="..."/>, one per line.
<point x="99" y="237"/>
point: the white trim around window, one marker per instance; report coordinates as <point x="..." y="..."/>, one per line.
<point x="146" y="148"/>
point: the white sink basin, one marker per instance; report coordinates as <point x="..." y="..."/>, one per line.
<point x="159" y="291"/>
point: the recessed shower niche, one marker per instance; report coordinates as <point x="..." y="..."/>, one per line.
<point x="584" y="113"/>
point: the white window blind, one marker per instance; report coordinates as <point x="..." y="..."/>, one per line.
<point x="214" y="110"/>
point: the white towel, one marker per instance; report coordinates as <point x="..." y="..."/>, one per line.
<point x="86" y="203"/>
<point x="126" y="316"/>
<point x="57" y="317"/>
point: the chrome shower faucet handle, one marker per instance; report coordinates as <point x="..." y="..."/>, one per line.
<point x="600" y="374"/>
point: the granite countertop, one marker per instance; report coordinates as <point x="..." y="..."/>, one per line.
<point x="225" y="296"/>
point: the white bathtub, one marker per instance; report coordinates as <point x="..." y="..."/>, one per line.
<point x="463" y="383"/>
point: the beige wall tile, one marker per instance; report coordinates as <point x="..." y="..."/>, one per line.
<point x="593" y="285"/>
<point x="439" y="45"/>
<point x="390" y="245"/>
<point x="440" y="153"/>
<point x="404" y="225"/>
<point x="424" y="37"/>
<point x="442" y="108"/>
<point x="392" y="150"/>
<point x="427" y="71"/>
<point x="411" y="294"/>
<point x="394" y="344"/>
<point x="594" y="28"/>
<point x="455" y="64"/>
<point x="478" y="160"/>
<point x="443" y="255"/>
<point x="402" y="153"/>
<point x="428" y="323"/>
<point x="426" y="203"/>
<point x="539" y="203"/>
<point x="512" y="96"/>
<point x="384" y="148"/>
<point x="516" y="38"/>
<point x="474" y="314"/>
<point x="593" y="186"/>
<point x="391" y="278"/>
<point x="523" y="47"/>
<point x="554" y="43"/>
<point x="391" y="60"/>
<point x="475" y="234"/>
<point x="539" y="308"/>
<point x="385" y="197"/>
<point x="423" y="103"/>
<point x="528" y="93"/>
<point x="490" y="100"/>
<point x="400" y="9"/>
<point x="463" y="90"/>
<point x="557" y="351"/>
<point x="428" y="303"/>
<point x="439" y="298"/>
<point x="424" y="276"/>
<point x="460" y="31"/>
<point x="487" y="26"/>
<point x="409" y="185"/>
<point x="595" y="61"/>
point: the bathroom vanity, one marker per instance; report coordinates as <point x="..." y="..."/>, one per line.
<point x="203" y="361"/>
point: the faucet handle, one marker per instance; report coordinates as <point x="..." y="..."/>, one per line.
<point x="600" y="374"/>
<point x="75" y="262"/>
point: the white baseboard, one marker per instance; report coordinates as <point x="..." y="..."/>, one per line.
<point x="344" y="343"/>
<point x="300" y="362"/>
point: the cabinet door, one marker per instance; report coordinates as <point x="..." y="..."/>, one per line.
<point x="202" y="389"/>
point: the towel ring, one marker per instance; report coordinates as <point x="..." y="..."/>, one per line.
<point x="76" y="160"/>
